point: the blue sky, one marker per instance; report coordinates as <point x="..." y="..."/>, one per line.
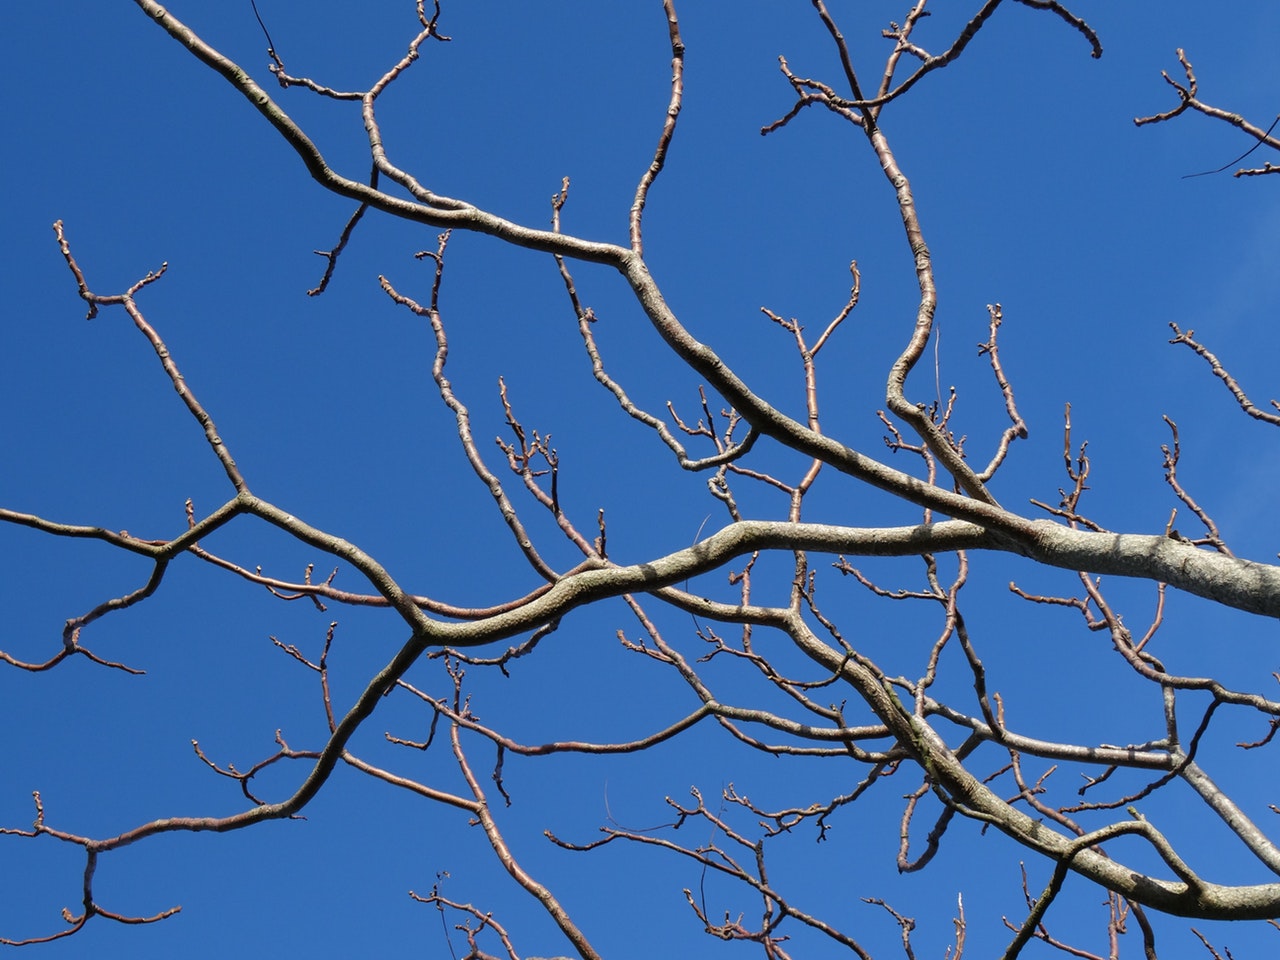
<point x="1036" y="190"/>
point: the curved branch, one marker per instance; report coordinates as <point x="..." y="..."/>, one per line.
<point x="668" y="128"/>
<point x="464" y="216"/>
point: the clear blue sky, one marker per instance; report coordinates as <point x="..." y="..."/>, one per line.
<point x="1036" y="190"/>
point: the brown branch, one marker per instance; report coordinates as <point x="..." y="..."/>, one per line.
<point x="716" y="858"/>
<point x="668" y="128"/>
<point x="485" y="920"/>
<point x="461" y="414"/>
<point x="91" y="907"/>
<point x="1221" y="373"/>
<point x="1171" y="458"/>
<point x="1018" y="428"/>
<point x="170" y="367"/>
<point x="331" y="255"/>
<point x="1188" y="97"/>
<point x="544" y="896"/>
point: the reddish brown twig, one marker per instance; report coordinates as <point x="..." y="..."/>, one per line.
<point x="1189" y="99"/>
<point x="1018" y="428"/>
<point x="1221" y="373"/>
<point x="90" y="905"/>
